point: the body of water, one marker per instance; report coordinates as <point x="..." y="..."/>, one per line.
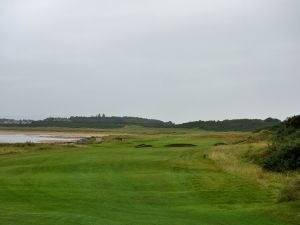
<point x="22" y="138"/>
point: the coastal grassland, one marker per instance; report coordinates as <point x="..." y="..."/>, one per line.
<point x="116" y="183"/>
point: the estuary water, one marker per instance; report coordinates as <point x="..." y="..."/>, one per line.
<point x="23" y="138"/>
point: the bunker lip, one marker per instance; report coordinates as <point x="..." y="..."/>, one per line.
<point x="220" y="143"/>
<point x="180" y="145"/>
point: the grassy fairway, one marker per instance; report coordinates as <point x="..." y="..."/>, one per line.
<point x="116" y="183"/>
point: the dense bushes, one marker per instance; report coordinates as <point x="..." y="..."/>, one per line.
<point x="284" y="152"/>
<point x="285" y="158"/>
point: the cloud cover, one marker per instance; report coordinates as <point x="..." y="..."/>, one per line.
<point x="176" y="60"/>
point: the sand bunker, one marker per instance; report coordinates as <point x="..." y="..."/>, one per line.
<point x="180" y="145"/>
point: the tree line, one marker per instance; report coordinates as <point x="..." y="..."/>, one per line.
<point x="232" y="125"/>
<point x="106" y="122"/>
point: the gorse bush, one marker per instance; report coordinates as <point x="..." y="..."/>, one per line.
<point x="284" y="152"/>
<point x="285" y="158"/>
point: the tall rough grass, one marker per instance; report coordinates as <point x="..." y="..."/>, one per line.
<point x="234" y="159"/>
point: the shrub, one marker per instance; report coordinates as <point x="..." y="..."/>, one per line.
<point x="285" y="158"/>
<point x="284" y="152"/>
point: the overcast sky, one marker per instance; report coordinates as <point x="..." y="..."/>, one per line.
<point x="178" y="60"/>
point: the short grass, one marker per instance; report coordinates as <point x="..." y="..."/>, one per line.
<point x="114" y="183"/>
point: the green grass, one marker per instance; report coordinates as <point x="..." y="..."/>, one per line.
<point x="115" y="183"/>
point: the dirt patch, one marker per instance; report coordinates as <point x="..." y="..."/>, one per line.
<point x="180" y="145"/>
<point x="143" y="146"/>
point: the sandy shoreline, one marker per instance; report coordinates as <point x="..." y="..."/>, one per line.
<point x="59" y="134"/>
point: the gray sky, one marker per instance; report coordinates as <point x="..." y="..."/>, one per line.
<point x="178" y="60"/>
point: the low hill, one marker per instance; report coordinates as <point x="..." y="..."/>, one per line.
<point x="232" y="125"/>
<point x="100" y="122"/>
